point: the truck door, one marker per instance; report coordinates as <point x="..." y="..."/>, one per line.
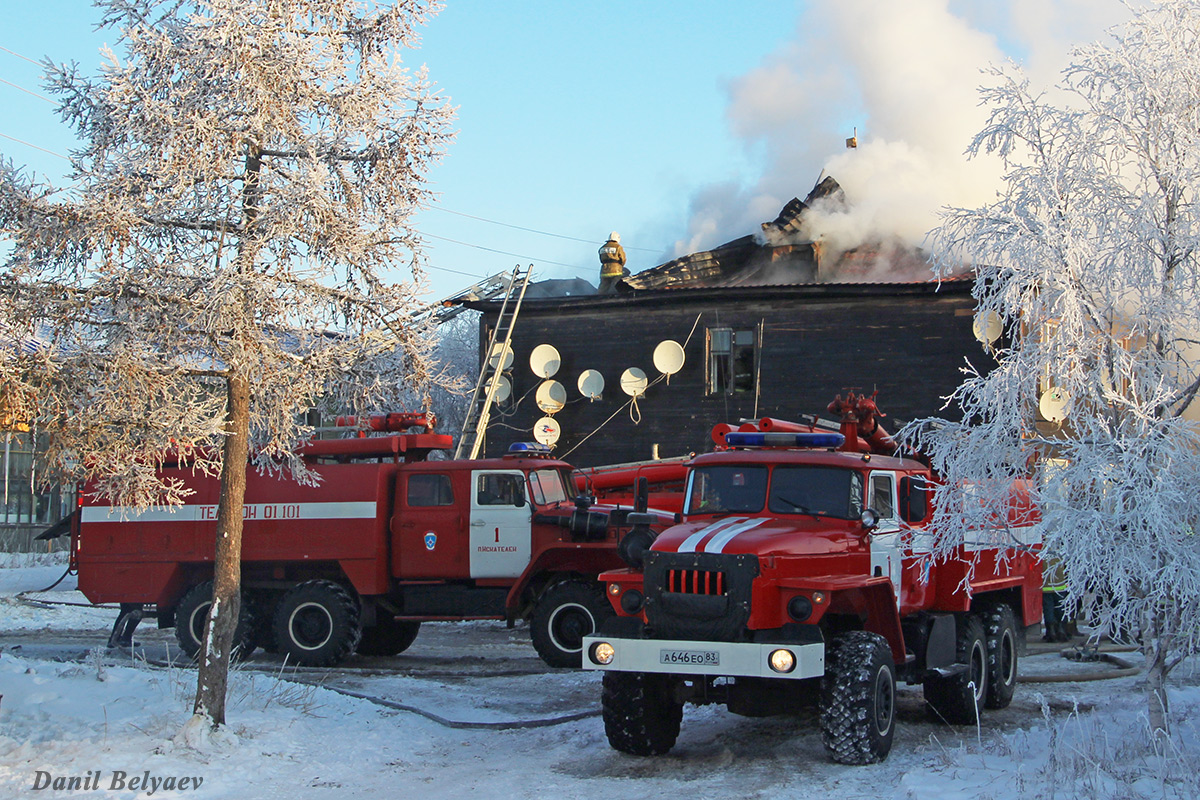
<point x="885" y="540"/>
<point x="501" y="518"/>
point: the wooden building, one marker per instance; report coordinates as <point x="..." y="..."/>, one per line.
<point x="769" y="327"/>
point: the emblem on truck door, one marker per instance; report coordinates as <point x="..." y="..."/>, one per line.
<point x="430" y="540"/>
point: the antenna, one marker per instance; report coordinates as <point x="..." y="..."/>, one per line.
<point x="668" y="357"/>
<point x="633" y="382"/>
<point x="501" y="357"/>
<point x="551" y="396"/>
<point x="591" y="384"/>
<point x="1055" y="404"/>
<point x="546" y="430"/>
<point x="544" y="360"/>
<point x="503" y="389"/>
<point x="987" y="327"/>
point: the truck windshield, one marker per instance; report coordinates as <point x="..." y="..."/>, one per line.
<point x="548" y="486"/>
<point x="820" y="491"/>
<point x="726" y="490"/>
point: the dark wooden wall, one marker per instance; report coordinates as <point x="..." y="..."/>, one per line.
<point x="906" y="340"/>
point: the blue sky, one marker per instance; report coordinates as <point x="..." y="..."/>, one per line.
<point x="679" y="124"/>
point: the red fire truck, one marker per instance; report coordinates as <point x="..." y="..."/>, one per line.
<point x="801" y="575"/>
<point x="388" y="539"/>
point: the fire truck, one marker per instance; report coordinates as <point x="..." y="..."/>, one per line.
<point x="801" y="574"/>
<point x="387" y="539"/>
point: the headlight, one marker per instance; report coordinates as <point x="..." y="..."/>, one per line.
<point x="602" y="653"/>
<point x="800" y="608"/>
<point x="631" y="602"/>
<point x="782" y="660"/>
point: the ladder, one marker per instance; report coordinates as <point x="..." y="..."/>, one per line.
<point x="499" y="345"/>
<point x="450" y="307"/>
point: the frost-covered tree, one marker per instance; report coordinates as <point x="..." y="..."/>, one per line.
<point x="1088" y="260"/>
<point x="246" y="179"/>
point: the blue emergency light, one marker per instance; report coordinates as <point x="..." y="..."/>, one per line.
<point x="783" y="439"/>
<point x="529" y="447"/>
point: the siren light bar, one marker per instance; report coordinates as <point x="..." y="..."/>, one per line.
<point x="529" y="447"/>
<point x="783" y="439"/>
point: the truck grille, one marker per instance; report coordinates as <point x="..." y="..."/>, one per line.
<point x="697" y="581"/>
<point x="703" y="596"/>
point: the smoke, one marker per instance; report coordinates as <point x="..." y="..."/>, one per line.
<point x="907" y="76"/>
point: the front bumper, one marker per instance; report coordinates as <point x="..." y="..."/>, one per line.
<point x="681" y="657"/>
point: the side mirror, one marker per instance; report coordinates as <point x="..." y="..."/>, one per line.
<point x="870" y="520"/>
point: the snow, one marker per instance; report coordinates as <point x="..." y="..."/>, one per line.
<point x="447" y="728"/>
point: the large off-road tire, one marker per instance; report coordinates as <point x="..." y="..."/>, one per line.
<point x="1000" y="632"/>
<point x="858" y="699"/>
<point x="191" y="618"/>
<point x="388" y="636"/>
<point x="641" y="714"/>
<point x="565" y="613"/>
<point x="959" y="699"/>
<point x="317" y="624"/>
<point x="262" y="614"/>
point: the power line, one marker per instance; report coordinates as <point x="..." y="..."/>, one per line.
<point x="530" y="230"/>
<point x="34" y="146"/>
<point x="501" y="252"/>
<point x="27" y="91"/>
<point x="18" y="55"/>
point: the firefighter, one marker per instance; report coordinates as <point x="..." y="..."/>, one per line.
<point x="612" y="263"/>
<point x="1054" y="601"/>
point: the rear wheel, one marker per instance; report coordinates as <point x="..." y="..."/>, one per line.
<point x="564" y="614"/>
<point x="958" y="699"/>
<point x="317" y="624"/>
<point x="1000" y="624"/>
<point x="191" y="620"/>
<point x="641" y="715"/>
<point x="858" y="699"/>
<point x="388" y="637"/>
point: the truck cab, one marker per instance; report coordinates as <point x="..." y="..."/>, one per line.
<point x="799" y="573"/>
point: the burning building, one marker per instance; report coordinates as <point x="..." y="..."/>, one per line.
<point x="772" y="324"/>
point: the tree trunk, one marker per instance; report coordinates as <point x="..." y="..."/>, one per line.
<point x="213" y="676"/>
<point x="1157" y="650"/>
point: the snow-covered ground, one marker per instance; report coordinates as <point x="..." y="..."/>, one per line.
<point x="108" y="720"/>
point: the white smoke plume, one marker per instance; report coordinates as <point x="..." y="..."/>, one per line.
<point x="907" y="76"/>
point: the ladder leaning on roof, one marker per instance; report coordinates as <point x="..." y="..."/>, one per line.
<point x="475" y="426"/>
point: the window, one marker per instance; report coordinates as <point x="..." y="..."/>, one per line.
<point x="722" y="490"/>
<point x="500" y="489"/>
<point x="816" y="491"/>
<point x="548" y="486"/>
<point x="429" y="490"/>
<point x="881" y="496"/>
<point x="732" y="360"/>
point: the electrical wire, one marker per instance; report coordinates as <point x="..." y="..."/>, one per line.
<point x="530" y="230"/>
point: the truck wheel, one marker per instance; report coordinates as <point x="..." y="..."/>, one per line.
<point x="317" y="624"/>
<point x="959" y="698"/>
<point x="388" y="637"/>
<point x="191" y="618"/>
<point x="564" y="614"/>
<point x="262" y="613"/>
<point x="1000" y="624"/>
<point x="641" y="715"/>
<point x="858" y="699"/>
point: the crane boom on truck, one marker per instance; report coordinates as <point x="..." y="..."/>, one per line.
<point x="801" y="574"/>
<point x="387" y="539"/>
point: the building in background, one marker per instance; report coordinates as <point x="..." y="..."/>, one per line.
<point x="769" y="325"/>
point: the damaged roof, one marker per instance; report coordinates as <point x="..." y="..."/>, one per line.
<point x="783" y="255"/>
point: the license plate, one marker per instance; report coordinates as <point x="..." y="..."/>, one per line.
<point x="704" y="658"/>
